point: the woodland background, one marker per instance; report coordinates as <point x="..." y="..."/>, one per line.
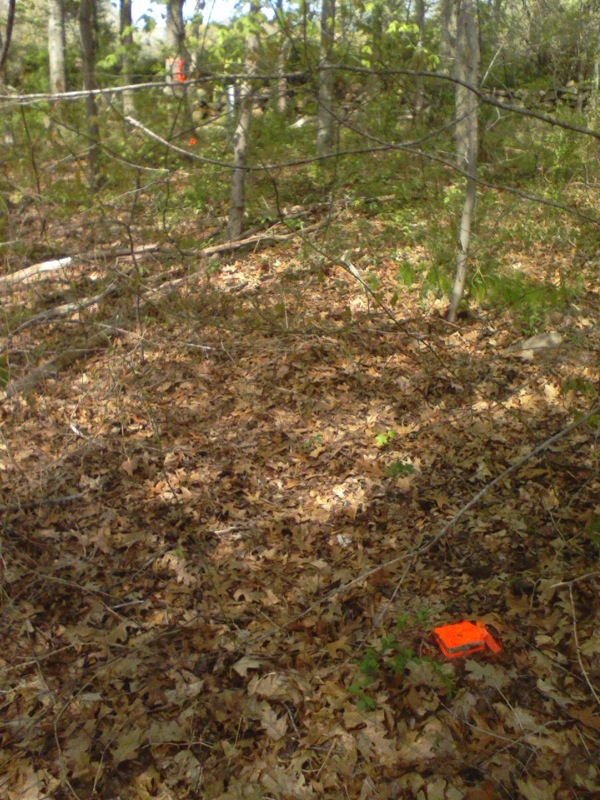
<point x="299" y="360"/>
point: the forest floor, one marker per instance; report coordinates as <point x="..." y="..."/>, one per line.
<point x="234" y="514"/>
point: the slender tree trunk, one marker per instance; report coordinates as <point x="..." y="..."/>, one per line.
<point x="242" y="131"/>
<point x="238" y="176"/>
<point x="595" y="95"/>
<point x="5" y="42"/>
<point x="281" y="81"/>
<point x="281" y="93"/>
<point x="376" y="83"/>
<point x="126" y="34"/>
<point x="419" y="58"/>
<point x="447" y="33"/>
<point x="325" y="124"/>
<point x="466" y="67"/>
<point x="175" y="42"/>
<point x="176" y="46"/>
<point x="467" y="138"/>
<point x="57" y="47"/>
<point x="175" y="27"/>
<point x="86" y="32"/>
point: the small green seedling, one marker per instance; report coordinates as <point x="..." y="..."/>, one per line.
<point x="400" y="469"/>
<point x="384" y="438"/>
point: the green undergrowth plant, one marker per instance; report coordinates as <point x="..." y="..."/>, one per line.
<point x="384" y="438"/>
<point x="400" y="469"/>
<point x="594" y="533"/>
<point x="527" y="300"/>
<point x="4" y="372"/>
<point x="407" y="273"/>
<point x="394" y="658"/>
<point x="578" y="385"/>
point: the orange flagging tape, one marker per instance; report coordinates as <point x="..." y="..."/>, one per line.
<point x="463" y="638"/>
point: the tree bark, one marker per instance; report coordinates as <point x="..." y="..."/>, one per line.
<point x="466" y="67"/>
<point x="595" y="95"/>
<point x="242" y="130"/>
<point x="175" y="27"/>
<point x="325" y="124"/>
<point x="467" y="137"/>
<point x="419" y="59"/>
<point x="281" y="94"/>
<point x="126" y="34"/>
<point x="57" y="47"/>
<point x="176" y="46"/>
<point x="5" y="42"/>
<point x="86" y="32"/>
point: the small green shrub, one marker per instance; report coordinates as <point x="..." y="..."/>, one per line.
<point x="391" y="657"/>
<point x="527" y="299"/>
<point x="406" y="273"/>
<point x="400" y="469"/>
<point x="578" y="385"/>
<point x="383" y="439"/>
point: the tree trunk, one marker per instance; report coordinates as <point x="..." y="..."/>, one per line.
<point x="447" y="44"/>
<point x="325" y="125"/>
<point x="467" y="138"/>
<point x="242" y="130"/>
<point x="175" y="27"/>
<point x="281" y="94"/>
<point x="86" y="32"/>
<point x="419" y="60"/>
<point x="595" y="95"/>
<point x="466" y="67"/>
<point x="175" y="40"/>
<point x="126" y="34"/>
<point x="57" y="47"/>
<point x="5" y="42"/>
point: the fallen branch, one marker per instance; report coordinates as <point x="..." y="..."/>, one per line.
<point x="35" y="270"/>
<point x="66" y="358"/>
<point x="585" y="577"/>
<point x="61" y="311"/>
<point x="578" y="650"/>
<point x="46" y="501"/>
<point x="61" y="263"/>
<point x="259" y="238"/>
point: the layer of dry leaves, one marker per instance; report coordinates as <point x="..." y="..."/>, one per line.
<point x="190" y="504"/>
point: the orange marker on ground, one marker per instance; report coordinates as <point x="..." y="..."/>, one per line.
<point x="463" y="638"/>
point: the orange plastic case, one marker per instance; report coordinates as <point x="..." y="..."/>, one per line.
<point x="463" y="638"/>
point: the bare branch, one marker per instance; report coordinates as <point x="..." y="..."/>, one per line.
<point x="44" y="501"/>
<point x="60" y="263"/>
<point x="483" y="96"/>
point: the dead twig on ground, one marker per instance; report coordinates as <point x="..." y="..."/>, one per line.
<point x="578" y="649"/>
<point x="44" y="501"/>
